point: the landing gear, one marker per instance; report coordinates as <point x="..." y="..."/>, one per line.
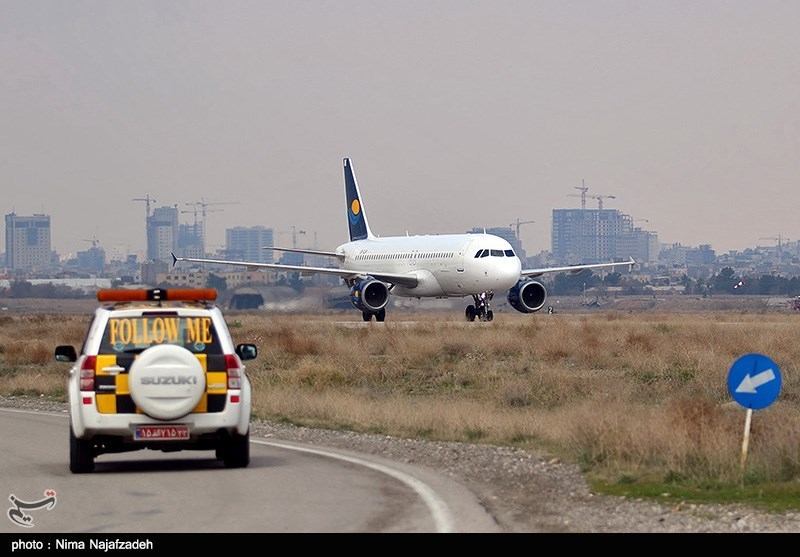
<point x="379" y="316"/>
<point x="481" y="308"/>
<point x="471" y="313"/>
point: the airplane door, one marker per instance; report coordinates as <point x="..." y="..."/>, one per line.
<point x="460" y="257"/>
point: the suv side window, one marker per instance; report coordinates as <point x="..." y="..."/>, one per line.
<point x="135" y="334"/>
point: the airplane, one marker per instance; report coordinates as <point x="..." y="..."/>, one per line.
<point x="422" y="266"/>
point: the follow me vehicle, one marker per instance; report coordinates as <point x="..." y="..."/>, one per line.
<point x="158" y="369"/>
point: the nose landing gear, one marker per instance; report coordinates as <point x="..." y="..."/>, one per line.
<point x="481" y="308"/>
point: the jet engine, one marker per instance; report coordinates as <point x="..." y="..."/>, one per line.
<point x="369" y="295"/>
<point x="527" y="296"/>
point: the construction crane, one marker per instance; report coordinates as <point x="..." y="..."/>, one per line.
<point x="584" y="188"/>
<point x="198" y="230"/>
<point x="295" y="232"/>
<point x="202" y="207"/>
<point x="93" y="241"/>
<point x="583" y="195"/>
<point x="780" y="240"/>
<point x="519" y="223"/>
<point x="148" y="200"/>
<point x="194" y="212"/>
<point x="600" y="199"/>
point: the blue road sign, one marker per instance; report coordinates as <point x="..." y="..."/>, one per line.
<point x="754" y="381"/>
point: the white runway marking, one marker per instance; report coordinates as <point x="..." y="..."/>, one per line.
<point x="438" y="508"/>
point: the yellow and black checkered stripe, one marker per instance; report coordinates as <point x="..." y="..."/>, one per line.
<point x="113" y="395"/>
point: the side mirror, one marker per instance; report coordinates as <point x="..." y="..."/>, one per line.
<point x="247" y="351"/>
<point x="66" y="353"/>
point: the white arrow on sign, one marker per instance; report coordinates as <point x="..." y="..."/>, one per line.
<point x="750" y="384"/>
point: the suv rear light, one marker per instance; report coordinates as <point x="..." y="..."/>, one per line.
<point x="234" y="368"/>
<point x="87" y="373"/>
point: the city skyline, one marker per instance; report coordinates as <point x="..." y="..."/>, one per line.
<point x="237" y="233"/>
<point x="456" y="115"/>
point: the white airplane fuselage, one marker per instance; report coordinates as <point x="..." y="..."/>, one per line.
<point x="445" y="265"/>
<point x="422" y="266"/>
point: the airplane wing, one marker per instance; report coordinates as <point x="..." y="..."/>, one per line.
<point x="573" y="269"/>
<point x="340" y="256"/>
<point x="409" y="281"/>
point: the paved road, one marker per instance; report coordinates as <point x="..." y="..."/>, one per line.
<point x="288" y="487"/>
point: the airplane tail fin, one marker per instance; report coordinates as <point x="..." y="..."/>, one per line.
<point x="356" y="217"/>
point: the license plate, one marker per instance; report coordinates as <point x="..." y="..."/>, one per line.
<point x="161" y="432"/>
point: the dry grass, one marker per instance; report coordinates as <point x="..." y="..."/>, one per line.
<point x="624" y="393"/>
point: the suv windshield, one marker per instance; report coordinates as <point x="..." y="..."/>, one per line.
<point x="135" y="334"/>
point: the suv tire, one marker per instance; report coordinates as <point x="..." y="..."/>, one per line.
<point x="81" y="456"/>
<point x="235" y="452"/>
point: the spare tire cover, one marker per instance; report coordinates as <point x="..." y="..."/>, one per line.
<point x="166" y="381"/>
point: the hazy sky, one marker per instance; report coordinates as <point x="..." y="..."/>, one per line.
<point x="456" y="114"/>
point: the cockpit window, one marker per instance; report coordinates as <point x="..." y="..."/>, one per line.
<point x="494" y="253"/>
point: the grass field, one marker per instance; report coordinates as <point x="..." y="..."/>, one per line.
<point x="636" y="395"/>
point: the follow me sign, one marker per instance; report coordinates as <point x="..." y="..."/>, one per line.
<point x="754" y="381"/>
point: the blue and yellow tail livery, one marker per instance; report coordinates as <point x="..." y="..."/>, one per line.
<point x="356" y="218"/>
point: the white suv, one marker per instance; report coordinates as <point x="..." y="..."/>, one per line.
<point x="158" y="370"/>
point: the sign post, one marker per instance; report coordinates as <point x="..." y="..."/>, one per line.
<point x="754" y="381"/>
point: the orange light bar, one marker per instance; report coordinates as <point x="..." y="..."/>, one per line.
<point x="157" y="294"/>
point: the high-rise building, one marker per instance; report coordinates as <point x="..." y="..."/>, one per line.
<point x="599" y="235"/>
<point x="190" y="240"/>
<point x="586" y="235"/>
<point x="92" y="260"/>
<point x="28" y="242"/>
<point x="162" y="234"/>
<point x="247" y="244"/>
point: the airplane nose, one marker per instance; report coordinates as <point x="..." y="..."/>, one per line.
<point x="512" y="272"/>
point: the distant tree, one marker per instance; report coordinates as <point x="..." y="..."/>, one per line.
<point x="45" y="290"/>
<point x="612" y="279"/>
<point x="567" y="284"/>
<point x="725" y="280"/>
<point x="689" y="285"/>
<point x="769" y="285"/>
<point x="636" y="287"/>
<point x="20" y="289"/>
<point x="297" y="283"/>
<point x="220" y="284"/>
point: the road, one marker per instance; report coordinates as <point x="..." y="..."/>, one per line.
<point x="288" y="487"/>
